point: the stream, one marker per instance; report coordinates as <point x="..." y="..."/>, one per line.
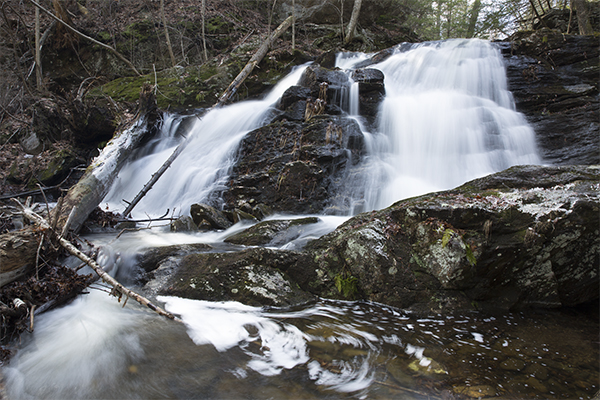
<point x="447" y="118"/>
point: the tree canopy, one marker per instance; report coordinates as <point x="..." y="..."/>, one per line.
<point x="494" y="19"/>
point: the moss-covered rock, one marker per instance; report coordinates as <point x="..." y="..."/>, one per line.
<point x="254" y="277"/>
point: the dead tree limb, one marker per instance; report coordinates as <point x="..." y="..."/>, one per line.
<point x="229" y="92"/>
<point x="69" y="27"/>
<point x="254" y="61"/>
<point x="117" y="287"/>
<point x="99" y="176"/>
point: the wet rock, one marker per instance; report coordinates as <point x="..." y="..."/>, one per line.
<point x="204" y="212"/>
<point x="337" y="82"/>
<point x="251" y="277"/>
<point x="274" y="232"/>
<point x="183" y="224"/>
<point x="238" y="215"/>
<point x="151" y="259"/>
<point x="427" y="366"/>
<point x="475" y="391"/>
<point x="554" y="81"/>
<point x="371" y="91"/>
<point x="292" y="167"/>
<point x="292" y="96"/>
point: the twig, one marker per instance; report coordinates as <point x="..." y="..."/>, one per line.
<point x="37" y="258"/>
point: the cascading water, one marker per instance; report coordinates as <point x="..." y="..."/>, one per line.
<point x="202" y="168"/>
<point x="447" y="118"/>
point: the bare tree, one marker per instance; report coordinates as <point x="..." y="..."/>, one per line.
<point x="583" y="16"/>
<point x="473" y="18"/>
<point x="203" y="13"/>
<point x="38" y="51"/>
<point x="353" y="21"/>
<point x="167" y="38"/>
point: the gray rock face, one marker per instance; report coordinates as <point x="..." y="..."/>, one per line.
<point x="554" y="80"/>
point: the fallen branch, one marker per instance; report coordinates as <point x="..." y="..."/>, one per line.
<point x="117" y="287"/>
<point x="254" y="61"/>
<point x="229" y="92"/>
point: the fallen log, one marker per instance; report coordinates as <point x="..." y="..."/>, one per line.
<point x="254" y="61"/>
<point x="85" y="196"/>
<point x="224" y="98"/>
<point x="118" y="289"/>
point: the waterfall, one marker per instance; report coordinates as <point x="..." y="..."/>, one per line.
<point x="447" y="118"/>
<point x="203" y="167"/>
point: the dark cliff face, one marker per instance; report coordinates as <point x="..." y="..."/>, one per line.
<point x="554" y="81"/>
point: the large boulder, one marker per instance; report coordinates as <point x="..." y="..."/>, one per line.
<point x="498" y="245"/>
<point x="292" y="166"/>
<point x="524" y="237"/>
<point x="254" y="277"/>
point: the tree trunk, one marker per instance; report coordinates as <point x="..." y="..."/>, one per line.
<point x="256" y="58"/>
<point x="203" y="13"/>
<point x="583" y="16"/>
<point x="473" y="18"/>
<point x="18" y="253"/>
<point x="85" y="196"/>
<point x="353" y="21"/>
<point x="167" y="38"/>
<point x="38" y="56"/>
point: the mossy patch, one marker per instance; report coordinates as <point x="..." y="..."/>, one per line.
<point x="177" y="88"/>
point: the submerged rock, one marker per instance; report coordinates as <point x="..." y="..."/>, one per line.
<point x="274" y="232"/>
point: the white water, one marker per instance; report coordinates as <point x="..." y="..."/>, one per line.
<point x="203" y="167"/>
<point x="447" y="118"/>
